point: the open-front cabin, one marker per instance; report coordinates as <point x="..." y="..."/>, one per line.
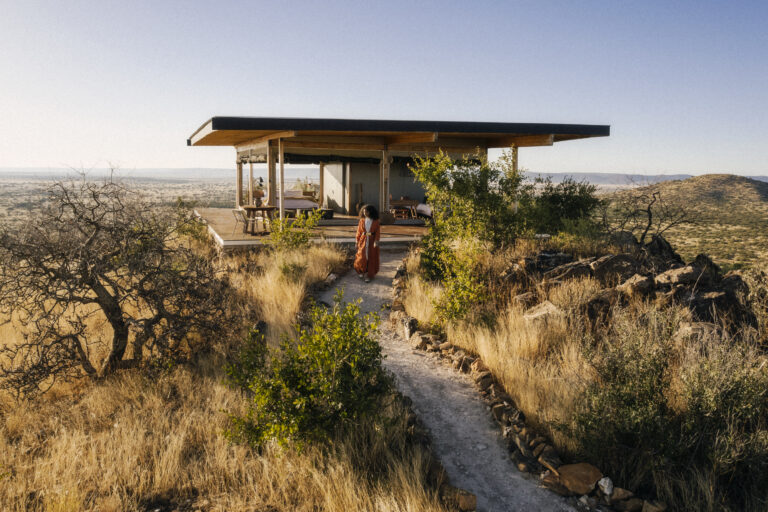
<point x="362" y="161"/>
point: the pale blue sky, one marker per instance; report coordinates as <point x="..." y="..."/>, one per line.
<point x="683" y="84"/>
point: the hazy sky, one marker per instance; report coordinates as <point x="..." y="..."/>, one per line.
<point x="683" y="84"/>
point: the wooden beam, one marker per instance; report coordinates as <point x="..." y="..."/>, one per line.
<point x="297" y="144"/>
<point x="522" y="141"/>
<point x="250" y="182"/>
<point x="271" y="177"/>
<point x="384" y="182"/>
<point x="264" y="139"/>
<point x="257" y="148"/>
<point x="322" y="185"/>
<point x="412" y="138"/>
<point x="239" y="185"/>
<point x="281" y="198"/>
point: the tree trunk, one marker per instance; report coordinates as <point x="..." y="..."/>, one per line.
<point x="114" y="313"/>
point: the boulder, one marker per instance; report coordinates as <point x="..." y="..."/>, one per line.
<point x="598" y="308"/>
<point x="605" y="485"/>
<point x="620" y="494"/>
<point x="711" y="273"/>
<point x="614" y="268"/>
<point x="498" y="411"/>
<point x="734" y="284"/>
<point x="546" y="260"/>
<point x="579" y="478"/>
<point x="721" y="305"/>
<point x="549" y="459"/>
<point x="417" y="341"/>
<point x="553" y="483"/>
<point x="659" y="256"/>
<point x="410" y="325"/>
<point x="484" y="380"/>
<point x="445" y="346"/>
<point x="521" y="442"/>
<point x="677" y="294"/>
<point x="682" y="275"/>
<point x="543" y="313"/>
<point x="637" y="286"/>
<point x="478" y="366"/>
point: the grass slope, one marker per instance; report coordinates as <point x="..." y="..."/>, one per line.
<point x="730" y="215"/>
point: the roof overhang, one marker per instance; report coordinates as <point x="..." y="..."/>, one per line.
<point x="365" y="137"/>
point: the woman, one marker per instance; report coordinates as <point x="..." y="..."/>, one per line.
<point x="368" y="234"/>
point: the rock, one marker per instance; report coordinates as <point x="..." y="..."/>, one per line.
<point x="536" y="441"/>
<point x="521" y="442"/>
<point x="654" y="506"/>
<point x="677" y="294"/>
<point x="417" y="341"/>
<point x="588" y="502"/>
<point x="540" y="448"/>
<point x="605" y="485"/>
<point x="397" y="305"/>
<point x="479" y="366"/>
<point x="445" y="346"/>
<point x="410" y="325"/>
<point x="734" y="284"/>
<point x="464" y="364"/>
<point x="484" y="380"/>
<point x="498" y="411"/>
<point x="683" y="275"/>
<point x="543" y="314"/>
<point x="579" y="478"/>
<point x="549" y="459"/>
<point x="720" y="305"/>
<point x="620" y="494"/>
<point x="659" y="255"/>
<point x="521" y="462"/>
<point x="549" y="260"/>
<point x="711" y="273"/>
<point x="574" y="270"/>
<point x="614" y="268"/>
<point x="466" y="501"/>
<point x="553" y="483"/>
<point x="637" y="286"/>
<point x="599" y="308"/>
<point x="525" y="300"/>
<point x="630" y="505"/>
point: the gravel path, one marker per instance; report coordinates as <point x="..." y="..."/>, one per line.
<point x="465" y="438"/>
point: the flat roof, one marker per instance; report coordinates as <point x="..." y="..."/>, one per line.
<point x="235" y="131"/>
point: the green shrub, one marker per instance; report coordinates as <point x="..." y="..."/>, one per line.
<point x="328" y="379"/>
<point x="290" y="234"/>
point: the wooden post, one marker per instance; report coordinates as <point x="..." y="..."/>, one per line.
<point x="384" y="182"/>
<point x="250" y="181"/>
<point x="514" y="158"/>
<point x="271" y="176"/>
<point x="322" y="185"/>
<point x="239" y="185"/>
<point x="281" y="198"/>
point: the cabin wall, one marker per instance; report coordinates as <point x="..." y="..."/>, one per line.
<point x="402" y="183"/>
<point x="364" y="185"/>
<point x="333" y="185"/>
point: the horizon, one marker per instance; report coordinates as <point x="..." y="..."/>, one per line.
<point x="683" y="86"/>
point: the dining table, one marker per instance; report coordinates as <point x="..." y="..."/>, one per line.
<point x="267" y="214"/>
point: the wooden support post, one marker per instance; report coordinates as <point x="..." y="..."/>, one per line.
<point x="250" y="182"/>
<point x="239" y="185"/>
<point x="271" y="176"/>
<point x="322" y="185"/>
<point x="281" y="191"/>
<point x="384" y="182"/>
<point x="515" y="166"/>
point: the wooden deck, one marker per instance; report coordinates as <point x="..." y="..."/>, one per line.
<point x="221" y="225"/>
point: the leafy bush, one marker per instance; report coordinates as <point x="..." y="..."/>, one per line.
<point x="558" y="207"/>
<point x="289" y="234"/>
<point x="691" y="427"/>
<point x="326" y="380"/>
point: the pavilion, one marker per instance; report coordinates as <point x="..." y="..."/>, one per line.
<point x="365" y="161"/>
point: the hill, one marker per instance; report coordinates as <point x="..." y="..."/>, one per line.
<point x="730" y="218"/>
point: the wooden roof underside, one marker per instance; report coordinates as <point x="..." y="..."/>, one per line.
<point x="354" y="137"/>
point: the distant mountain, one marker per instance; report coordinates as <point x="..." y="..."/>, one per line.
<point x="729" y="213"/>
<point x="617" y="179"/>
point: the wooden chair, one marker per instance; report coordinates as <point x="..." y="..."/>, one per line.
<point x="241" y="217"/>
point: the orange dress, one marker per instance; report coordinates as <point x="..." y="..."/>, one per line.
<point x="367" y="261"/>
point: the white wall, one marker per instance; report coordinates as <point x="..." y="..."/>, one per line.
<point x="402" y="183"/>
<point x="333" y="187"/>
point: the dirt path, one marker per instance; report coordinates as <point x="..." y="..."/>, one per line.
<point x="464" y="436"/>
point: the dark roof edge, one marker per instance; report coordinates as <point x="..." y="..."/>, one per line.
<point x="374" y="125"/>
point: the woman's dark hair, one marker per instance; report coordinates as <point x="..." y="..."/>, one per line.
<point x="371" y="210"/>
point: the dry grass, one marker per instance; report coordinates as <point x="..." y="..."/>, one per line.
<point x="143" y="440"/>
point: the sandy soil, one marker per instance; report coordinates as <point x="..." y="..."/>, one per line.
<point x="465" y="438"/>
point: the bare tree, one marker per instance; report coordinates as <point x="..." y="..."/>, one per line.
<point x="94" y="251"/>
<point x="645" y="212"/>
